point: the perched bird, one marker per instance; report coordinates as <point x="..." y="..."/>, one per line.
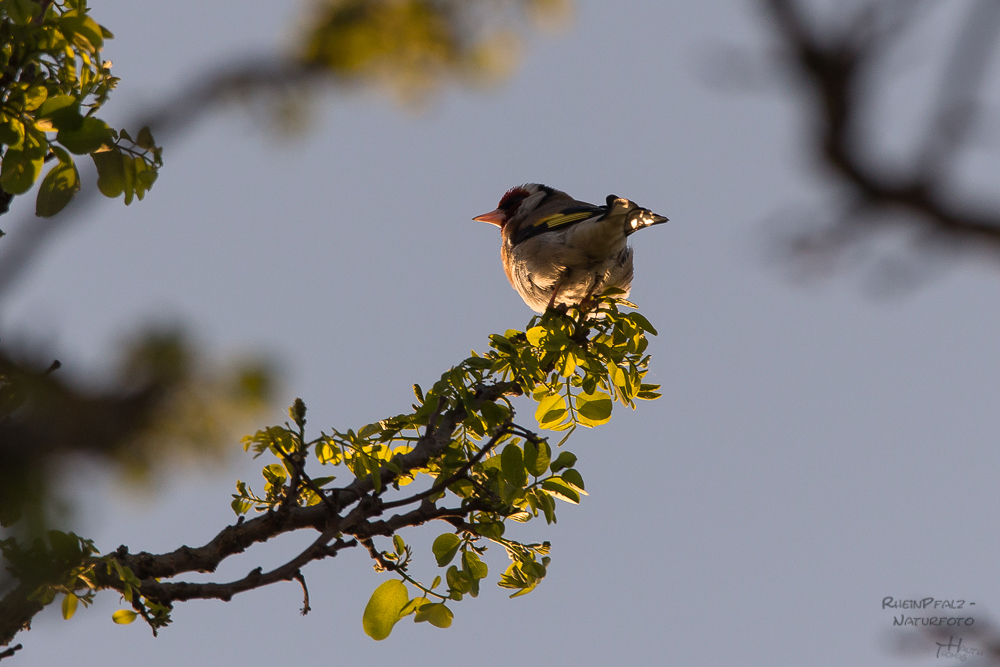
<point x="557" y="250"/>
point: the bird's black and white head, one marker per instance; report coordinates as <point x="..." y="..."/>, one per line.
<point x="636" y="217"/>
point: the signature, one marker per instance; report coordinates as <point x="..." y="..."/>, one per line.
<point x="956" y="650"/>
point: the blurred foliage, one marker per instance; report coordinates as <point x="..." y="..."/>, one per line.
<point x="168" y="403"/>
<point x="53" y="82"/>
<point x="414" y="47"/>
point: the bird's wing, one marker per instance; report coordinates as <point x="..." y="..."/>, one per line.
<point x="560" y="220"/>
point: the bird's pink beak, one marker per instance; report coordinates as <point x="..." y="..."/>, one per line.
<point x="495" y="217"/>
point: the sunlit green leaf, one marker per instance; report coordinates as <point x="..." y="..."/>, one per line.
<point x="11" y="131"/>
<point x="436" y="614"/>
<point x="512" y="463"/>
<point x="123" y="616"/>
<point x="594" y="409"/>
<point x="110" y="172"/>
<point x="57" y="189"/>
<point x="458" y="580"/>
<point x="83" y="31"/>
<point x="536" y="335"/>
<point x="472" y="564"/>
<point x="643" y="323"/>
<point x="564" y="460"/>
<point x="383" y="609"/>
<point x="537" y="457"/>
<point x="69" y="605"/>
<point x="573" y="478"/>
<point x="445" y="547"/>
<point x="561" y="490"/>
<point x="551" y="410"/>
<point x="61" y="112"/>
<point x="34" y="96"/>
<point x="19" y="171"/>
<point x="93" y="134"/>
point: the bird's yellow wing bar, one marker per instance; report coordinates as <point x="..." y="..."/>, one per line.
<point x="562" y="219"/>
<point x="559" y="221"/>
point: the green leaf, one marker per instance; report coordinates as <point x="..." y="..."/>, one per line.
<point x="558" y="488"/>
<point x="546" y="504"/>
<point x="11" y="131"/>
<point x="642" y="323"/>
<point x="34" y="96"/>
<point x="551" y="410"/>
<point x="123" y="616"/>
<point x="413" y="605"/>
<point x="537" y="457"/>
<point x="69" y="605"/>
<point x="574" y="479"/>
<point x="21" y="12"/>
<point x="36" y="144"/>
<point x="445" y="547"/>
<point x="83" y="31"/>
<point x="492" y="530"/>
<point x="92" y="135"/>
<point x="19" y="171"/>
<point x="57" y="189"/>
<point x="384" y="608"/>
<point x="436" y="614"/>
<point x="568" y="364"/>
<point x="458" y="580"/>
<point x="130" y="172"/>
<point x="493" y="414"/>
<point x="512" y="464"/>
<point x="398" y="544"/>
<point x="275" y="473"/>
<point x="594" y="409"/>
<point x="240" y="505"/>
<point x="61" y="112"/>
<point x="480" y="363"/>
<point x="110" y="172"/>
<point x="564" y="460"/>
<point x="472" y="564"/>
<point x="535" y="335"/>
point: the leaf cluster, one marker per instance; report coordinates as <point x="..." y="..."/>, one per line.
<point x="413" y="46"/>
<point x="53" y="82"/>
<point x="573" y="364"/>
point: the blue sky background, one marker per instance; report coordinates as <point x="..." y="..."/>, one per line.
<point x="816" y="449"/>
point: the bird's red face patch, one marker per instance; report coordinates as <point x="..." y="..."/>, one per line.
<point x="511" y="201"/>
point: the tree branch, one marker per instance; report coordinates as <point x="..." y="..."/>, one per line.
<point x="180" y="591"/>
<point x="840" y="68"/>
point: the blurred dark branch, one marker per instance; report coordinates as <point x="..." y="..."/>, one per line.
<point x="246" y="78"/>
<point x="958" y="105"/>
<point x="841" y="64"/>
<point x="42" y="418"/>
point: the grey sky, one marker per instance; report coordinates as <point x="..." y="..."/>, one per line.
<point x="815" y="449"/>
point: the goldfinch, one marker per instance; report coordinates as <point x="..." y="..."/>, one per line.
<point x="557" y="250"/>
